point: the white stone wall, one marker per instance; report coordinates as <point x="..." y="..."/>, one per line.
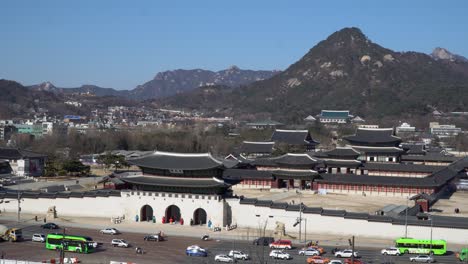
<point x="129" y="204"/>
<point x="254" y="217"/>
<point x="84" y="207"/>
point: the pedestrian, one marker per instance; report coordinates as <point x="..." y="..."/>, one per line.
<point x="45" y="220"/>
<point x="35" y="218"/>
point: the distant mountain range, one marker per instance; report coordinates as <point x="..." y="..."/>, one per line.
<point x="345" y="71"/>
<point x="169" y="83"/>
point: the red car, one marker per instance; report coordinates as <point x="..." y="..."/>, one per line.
<point x="281" y="244"/>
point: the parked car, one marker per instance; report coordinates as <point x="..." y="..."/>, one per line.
<point x="110" y="231"/>
<point x="317" y="260"/>
<point x="50" y="226"/>
<point x="263" y="241"/>
<point x="347" y="253"/>
<point x="390" y="251"/>
<point x="281" y="244"/>
<point x="156" y="238"/>
<point x="422" y="258"/>
<point x="236" y="254"/>
<point x="120" y="243"/>
<point x="196" y="251"/>
<point x="309" y="252"/>
<point x="224" y="258"/>
<point x="38" y="238"/>
<point x="335" y="261"/>
<point x="279" y="254"/>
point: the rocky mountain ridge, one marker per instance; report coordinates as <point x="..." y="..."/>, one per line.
<point x="345" y="71"/>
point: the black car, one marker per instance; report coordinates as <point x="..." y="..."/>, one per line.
<point x="153" y="238"/>
<point x="50" y="226"/>
<point x="263" y="241"/>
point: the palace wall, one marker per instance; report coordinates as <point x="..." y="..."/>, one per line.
<point x="246" y="215"/>
<point x="128" y="204"/>
<point x="219" y="212"/>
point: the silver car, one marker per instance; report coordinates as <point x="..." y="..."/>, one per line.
<point x="38" y="238"/>
<point x="422" y="258"/>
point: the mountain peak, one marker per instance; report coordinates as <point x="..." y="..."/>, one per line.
<point x="348" y="33"/>
<point x="443" y="54"/>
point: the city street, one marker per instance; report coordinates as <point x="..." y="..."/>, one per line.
<point x="170" y="251"/>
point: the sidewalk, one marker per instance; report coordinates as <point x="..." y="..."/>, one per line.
<point x="247" y="234"/>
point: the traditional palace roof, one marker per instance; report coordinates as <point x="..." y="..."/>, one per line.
<point x="175" y="182"/>
<point x="387" y="150"/>
<point x="257" y="147"/>
<point x="287" y="159"/>
<point x="293" y="137"/>
<point x="400" y="167"/>
<point x="15" y="154"/>
<point x="373" y="136"/>
<point x="342" y="162"/>
<point x="429" y="157"/>
<point x="335" y="114"/>
<point x="342" y="152"/>
<point x="177" y="161"/>
<point x="240" y="174"/>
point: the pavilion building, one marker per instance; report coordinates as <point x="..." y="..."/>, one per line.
<point x="178" y="172"/>
<point x="376" y="145"/>
<point x="298" y="140"/>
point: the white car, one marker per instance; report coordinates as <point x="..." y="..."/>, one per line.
<point x="390" y="251"/>
<point x="309" y="252"/>
<point x="347" y="253"/>
<point x="279" y="254"/>
<point x="224" y="258"/>
<point x="38" y="238"/>
<point x="335" y="261"/>
<point x="119" y="243"/>
<point x="422" y="258"/>
<point x="110" y="231"/>
<point x="236" y="254"/>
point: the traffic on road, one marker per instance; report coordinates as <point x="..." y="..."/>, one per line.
<point x="96" y="246"/>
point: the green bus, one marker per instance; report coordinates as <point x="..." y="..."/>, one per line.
<point x="421" y="246"/>
<point x="79" y="244"/>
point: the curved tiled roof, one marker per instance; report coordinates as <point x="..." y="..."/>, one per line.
<point x="373" y="136"/>
<point x="293" y="137"/>
<point x="257" y="147"/>
<point x="178" y="161"/>
<point x="175" y="182"/>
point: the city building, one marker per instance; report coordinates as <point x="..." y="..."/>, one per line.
<point x="444" y="130"/>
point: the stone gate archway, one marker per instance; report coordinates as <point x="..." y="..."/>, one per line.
<point x="146" y="213"/>
<point x="172" y="211"/>
<point x="199" y="217"/>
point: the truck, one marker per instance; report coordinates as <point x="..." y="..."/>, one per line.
<point x="463" y="254"/>
<point x="10" y="234"/>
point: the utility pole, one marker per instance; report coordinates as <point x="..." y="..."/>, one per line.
<point x="19" y="206"/>
<point x="406" y="218"/>
<point x="300" y="219"/>
<point x="430" y="250"/>
<point x="62" y="251"/>
<point x="352" y="250"/>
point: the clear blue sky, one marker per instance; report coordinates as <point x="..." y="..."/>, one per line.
<point x="121" y="44"/>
